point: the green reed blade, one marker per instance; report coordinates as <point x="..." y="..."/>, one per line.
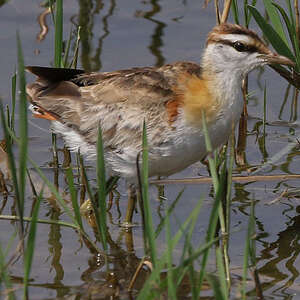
<point x="7" y="115"/>
<point x="170" y="272"/>
<point x="251" y="234"/>
<point x="73" y="64"/>
<point x="291" y="27"/>
<point x="213" y="219"/>
<point x="30" y="246"/>
<point x="189" y="234"/>
<point x="53" y="189"/>
<point x="215" y="285"/>
<point x="210" y="158"/>
<point x="155" y="274"/>
<point x="93" y="200"/>
<point x="42" y="221"/>
<point x="58" y="34"/>
<point x="73" y="194"/>
<point x="161" y="225"/>
<point x="264" y="120"/>
<point x="291" y="12"/>
<point x="5" y="278"/>
<point x="12" y="165"/>
<point x="201" y="250"/>
<point x="67" y="50"/>
<point x="275" y="20"/>
<point x="23" y="131"/>
<point x="217" y="210"/>
<point x="219" y="189"/>
<point x="228" y="182"/>
<point x="226" y="219"/>
<point x="247" y="13"/>
<point x="235" y="11"/>
<point x="288" y="23"/>
<point x="9" y="133"/>
<point x="13" y="100"/>
<point x="274" y="38"/>
<point x="222" y="273"/>
<point x="149" y="227"/>
<point x="101" y="182"/>
<point x="246" y="257"/>
<point x="192" y="276"/>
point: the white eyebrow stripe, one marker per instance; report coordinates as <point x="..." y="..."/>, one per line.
<point x="238" y="37"/>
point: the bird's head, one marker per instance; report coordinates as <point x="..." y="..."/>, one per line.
<point x="238" y="50"/>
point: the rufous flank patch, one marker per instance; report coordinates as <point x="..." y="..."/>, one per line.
<point x="172" y="108"/>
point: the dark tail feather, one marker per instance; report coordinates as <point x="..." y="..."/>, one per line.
<point x="54" y="74"/>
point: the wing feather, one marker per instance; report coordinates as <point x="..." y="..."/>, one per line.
<point x="118" y="101"/>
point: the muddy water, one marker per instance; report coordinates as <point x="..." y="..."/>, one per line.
<point x="121" y="34"/>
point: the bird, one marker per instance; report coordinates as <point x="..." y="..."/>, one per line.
<point x="171" y="99"/>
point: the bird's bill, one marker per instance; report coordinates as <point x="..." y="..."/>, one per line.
<point x="274" y="58"/>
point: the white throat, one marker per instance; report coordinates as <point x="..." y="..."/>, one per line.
<point x="225" y="80"/>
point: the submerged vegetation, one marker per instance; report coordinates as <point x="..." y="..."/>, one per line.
<point x="203" y="266"/>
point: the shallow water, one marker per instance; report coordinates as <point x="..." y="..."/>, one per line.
<point x="129" y="33"/>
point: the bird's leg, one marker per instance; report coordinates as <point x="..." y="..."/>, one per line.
<point x="132" y="197"/>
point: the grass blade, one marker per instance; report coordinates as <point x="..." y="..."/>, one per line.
<point x="13" y="98"/>
<point x="41" y="174"/>
<point x="101" y="188"/>
<point x="170" y="273"/>
<point x="146" y="291"/>
<point x="274" y="38"/>
<point x="161" y="225"/>
<point x="67" y="50"/>
<point x="93" y="200"/>
<point x="149" y="228"/>
<point x="235" y="11"/>
<point x="246" y="257"/>
<point x="73" y="194"/>
<point x="5" y="278"/>
<point x="30" y="247"/>
<point x="23" y="131"/>
<point x="275" y="20"/>
<point x="292" y="33"/>
<point x="58" y="34"/>
<point x="217" y="210"/>
<point x="12" y="166"/>
<point x="215" y="284"/>
<point x="221" y="273"/>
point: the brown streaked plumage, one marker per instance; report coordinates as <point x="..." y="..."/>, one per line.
<point x="171" y="99"/>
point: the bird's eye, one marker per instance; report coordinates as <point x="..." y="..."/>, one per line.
<point x="240" y="47"/>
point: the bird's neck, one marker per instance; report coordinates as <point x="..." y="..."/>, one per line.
<point x="215" y="92"/>
<point x="223" y="78"/>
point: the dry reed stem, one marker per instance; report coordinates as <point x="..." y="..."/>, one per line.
<point x="258" y="287"/>
<point x="234" y="178"/>
<point x="292" y="77"/>
<point x="242" y="136"/>
<point x="226" y="11"/>
<point x="283" y="194"/>
<point x="218" y="16"/>
<point x="144" y="262"/>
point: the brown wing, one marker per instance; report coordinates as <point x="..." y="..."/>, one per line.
<point x="83" y="100"/>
